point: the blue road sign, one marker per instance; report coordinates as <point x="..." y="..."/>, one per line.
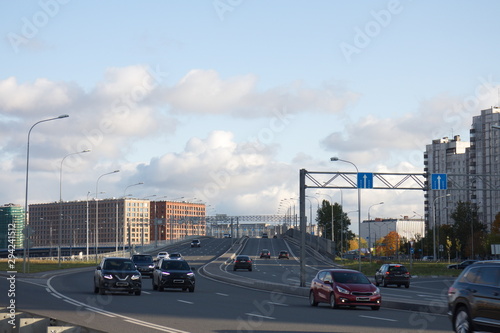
<point x="439" y="181"/>
<point x="365" y="180"/>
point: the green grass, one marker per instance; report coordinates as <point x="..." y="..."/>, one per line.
<point x="417" y="268"/>
<point x="37" y="266"/>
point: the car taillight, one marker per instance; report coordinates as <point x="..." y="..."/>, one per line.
<point x="387" y="273"/>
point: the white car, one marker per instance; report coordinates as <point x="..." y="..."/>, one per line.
<point x="162" y="255"/>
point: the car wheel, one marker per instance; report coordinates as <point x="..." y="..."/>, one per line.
<point x="332" y="302"/>
<point x="250" y="269"/>
<point x="160" y="288"/>
<point x="407" y="285"/>
<point x="399" y="286"/>
<point x="312" y="300"/>
<point x="96" y="289"/>
<point x="376" y="282"/>
<point x="184" y="289"/>
<point x="137" y="293"/>
<point x="462" y="322"/>
<point x="384" y="283"/>
<point x="155" y="286"/>
<point x="234" y="268"/>
<point x="191" y="289"/>
<point x="375" y="308"/>
<point x="102" y="291"/>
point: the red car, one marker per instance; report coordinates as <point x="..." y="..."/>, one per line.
<point x="344" y="287"/>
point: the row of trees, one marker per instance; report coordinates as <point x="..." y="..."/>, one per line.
<point x="466" y="237"/>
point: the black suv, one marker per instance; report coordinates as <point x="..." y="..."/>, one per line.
<point x="392" y="274"/>
<point x="474" y="298"/>
<point x="173" y="273"/>
<point x="144" y="263"/>
<point x="195" y="243"/>
<point x="117" y="274"/>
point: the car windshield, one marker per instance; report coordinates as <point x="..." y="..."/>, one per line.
<point x="242" y="258"/>
<point x="119" y="265"/>
<point x="349" y="277"/>
<point x="175" y="265"/>
<point x="141" y="258"/>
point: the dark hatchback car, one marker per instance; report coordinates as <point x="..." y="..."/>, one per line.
<point x="195" y="243"/>
<point x="117" y="275"/>
<point x="144" y="263"/>
<point x="242" y="262"/>
<point x="265" y="253"/>
<point x="172" y="273"/>
<point x="283" y="255"/>
<point x="396" y="274"/>
<point x="462" y="265"/>
<point x="344" y="287"/>
<point x="474" y="298"/>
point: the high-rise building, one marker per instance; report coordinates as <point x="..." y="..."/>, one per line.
<point x="11" y="226"/>
<point x="485" y="164"/>
<point x="451" y="157"/>
<point x="473" y="171"/>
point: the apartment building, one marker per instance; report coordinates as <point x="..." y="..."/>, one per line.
<point x="472" y="168"/>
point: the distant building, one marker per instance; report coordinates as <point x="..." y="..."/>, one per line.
<point x="374" y="230"/>
<point x="121" y="222"/>
<point x="11" y="226"/>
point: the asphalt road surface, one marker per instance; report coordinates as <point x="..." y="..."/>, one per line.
<point x="217" y="306"/>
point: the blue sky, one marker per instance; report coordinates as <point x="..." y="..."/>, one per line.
<point x="224" y="101"/>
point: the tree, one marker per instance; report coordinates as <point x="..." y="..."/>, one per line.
<point x="469" y="232"/>
<point x="390" y="245"/>
<point x="341" y="223"/>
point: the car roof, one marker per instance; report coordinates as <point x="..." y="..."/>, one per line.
<point x="339" y="270"/>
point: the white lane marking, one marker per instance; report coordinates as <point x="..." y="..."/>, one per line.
<point x="183" y="301"/>
<point x="221" y="294"/>
<point x="108" y="313"/>
<point x="260" y="316"/>
<point x="378" y="318"/>
<point x="279" y="304"/>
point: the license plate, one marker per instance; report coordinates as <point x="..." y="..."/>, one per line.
<point x="178" y="281"/>
<point x="122" y="284"/>
<point x="362" y="299"/>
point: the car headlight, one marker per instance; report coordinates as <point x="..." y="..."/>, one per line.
<point x="151" y="266"/>
<point x="342" y="290"/>
<point x="376" y="292"/>
<point x="108" y="276"/>
<point x="165" y="273"/>
<point x="190" y="274"/>
<point x="136" y="277"/>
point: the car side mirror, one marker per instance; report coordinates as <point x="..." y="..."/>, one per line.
<point x="98" y="268"/>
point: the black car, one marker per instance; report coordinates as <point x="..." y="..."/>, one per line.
<point x="265" y="253"/>
<point x="462" y="265"/>
<point x="392" y="274"/>
<point x="144" y="263"/>
<point x="474" y="298"/>
<point x="283" y="255"/>
<point x="117" y="275"/>
<point x="195" y="243"/>
<point x="264" y="235"/>
<point x="172" y="273"/>
<point x="242" y="262"/>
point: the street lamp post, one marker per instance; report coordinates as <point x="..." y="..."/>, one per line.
<point x="334" y="159"/>
<point x="434" y="228"/>
<point x="26" y="246"/>
<point x="97" y="212"/>
<point x="61" y="204"/>
<point x="370" y="231"/>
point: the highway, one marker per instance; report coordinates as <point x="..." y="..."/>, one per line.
<point x="219" y="305"/>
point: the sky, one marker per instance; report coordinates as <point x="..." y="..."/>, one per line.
<point x="224" y="101"/>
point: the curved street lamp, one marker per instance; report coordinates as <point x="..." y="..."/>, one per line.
<point x="26" y="247"/>
<point x="335" y="159"/>
<point x="60" y="205"/>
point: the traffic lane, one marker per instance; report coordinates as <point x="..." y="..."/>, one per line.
<point x="216" y="307"/>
